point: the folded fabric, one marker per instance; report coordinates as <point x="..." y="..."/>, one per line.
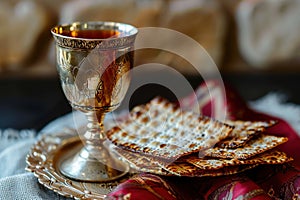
<point x="261" y="183"/>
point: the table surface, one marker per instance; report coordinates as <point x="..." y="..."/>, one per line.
<point x="32" y="103"/>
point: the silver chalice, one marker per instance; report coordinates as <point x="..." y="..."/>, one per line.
<point x="94" y="60"/>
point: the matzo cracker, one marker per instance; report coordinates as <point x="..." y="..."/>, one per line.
<point x="255" y="146"/>
<point x="170" y="134"/>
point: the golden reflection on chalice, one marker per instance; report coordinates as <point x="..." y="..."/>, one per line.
<point x="93" y="62"/>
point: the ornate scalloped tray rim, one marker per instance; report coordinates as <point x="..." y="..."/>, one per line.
<point x="43" y="160"/>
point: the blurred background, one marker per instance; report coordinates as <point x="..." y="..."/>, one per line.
<point x="255" y="44"/>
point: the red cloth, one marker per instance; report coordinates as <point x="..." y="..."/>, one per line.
<point x="262" y="183"/>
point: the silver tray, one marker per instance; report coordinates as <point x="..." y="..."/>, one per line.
<point x="45" y="157"/>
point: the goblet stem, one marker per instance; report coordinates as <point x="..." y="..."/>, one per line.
<point x="95" y="128"/>
<point x="94" y="162"/>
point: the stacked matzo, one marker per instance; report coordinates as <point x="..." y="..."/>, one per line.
<point x="161" y="138"/>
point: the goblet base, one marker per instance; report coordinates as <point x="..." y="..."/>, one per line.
<point x="86" y="166"/>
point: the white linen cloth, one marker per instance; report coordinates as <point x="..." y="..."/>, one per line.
<point x="17" y="184"/>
